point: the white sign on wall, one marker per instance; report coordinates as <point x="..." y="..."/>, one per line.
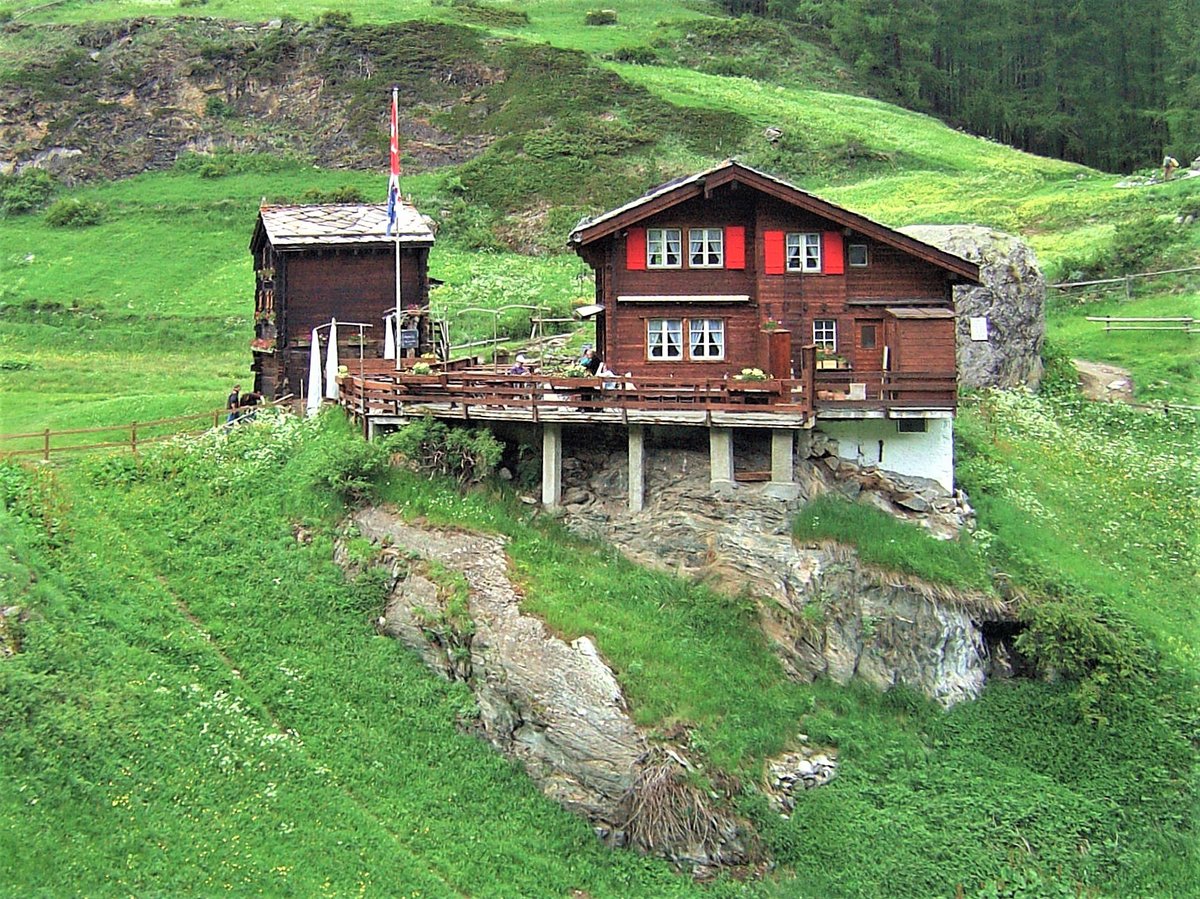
<point x="979" y="327"/>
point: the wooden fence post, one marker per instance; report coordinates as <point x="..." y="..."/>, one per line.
<point x="46" y="445"/>
<point x="133" y="437"/>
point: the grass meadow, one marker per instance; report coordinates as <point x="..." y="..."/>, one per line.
<point x="203" y="681"/>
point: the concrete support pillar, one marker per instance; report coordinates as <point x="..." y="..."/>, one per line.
<point x="720" y="455"/>
<point x="637" y="468"/>
<point x="551" y="464"/>
<point x="783" y="469"/>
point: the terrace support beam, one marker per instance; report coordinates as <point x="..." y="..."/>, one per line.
<point x="720" y="456"/>
<point x="551" y="464"/>
<point x="783" y="467"/>
<point x="637" y="468"/>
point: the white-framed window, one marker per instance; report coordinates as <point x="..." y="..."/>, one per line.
<point x="664" y="338"/>
<point x="825" y="333"/>
<point x="706" y="247"/>
<point x="664" y="247"/>
<point x="803" y="252"/>
<point x="707" y="338"/>
<point x="856" y="255"/>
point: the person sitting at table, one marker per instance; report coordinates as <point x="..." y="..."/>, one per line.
<point x="592" y="361"/>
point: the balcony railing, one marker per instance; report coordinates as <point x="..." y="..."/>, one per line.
<point x="377" y="391"/>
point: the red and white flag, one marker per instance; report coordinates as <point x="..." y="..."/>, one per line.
<point x="394" y="177"/>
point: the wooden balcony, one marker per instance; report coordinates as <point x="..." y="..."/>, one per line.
<point x="379" y="393"/>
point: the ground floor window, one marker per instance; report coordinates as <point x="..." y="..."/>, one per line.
<point x="707" y="338"/>
<point x="825" y="334"/>
<point x="911" y="426"/>
<point x="664" y="338"/>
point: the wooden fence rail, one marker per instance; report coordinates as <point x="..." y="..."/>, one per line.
<point x="136" y="432"/>
<point x="1184" y="323"/>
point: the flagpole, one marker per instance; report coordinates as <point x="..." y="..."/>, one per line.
<point x="393" y="208"/>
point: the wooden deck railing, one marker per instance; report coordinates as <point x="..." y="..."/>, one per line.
<point x="889" y="389"/>
<point x="389" y="393"/>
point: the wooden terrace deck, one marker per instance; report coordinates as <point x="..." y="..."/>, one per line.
<point x="379" y="393"/>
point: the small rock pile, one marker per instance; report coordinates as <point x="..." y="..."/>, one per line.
<point x="801" y="770"/>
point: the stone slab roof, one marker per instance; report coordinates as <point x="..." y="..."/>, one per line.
<point x="342" y="223"/>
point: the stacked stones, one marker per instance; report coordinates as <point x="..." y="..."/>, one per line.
<point x="801" y="770"/>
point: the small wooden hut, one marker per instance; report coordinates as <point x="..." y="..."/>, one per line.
<point x="317" y="263"/>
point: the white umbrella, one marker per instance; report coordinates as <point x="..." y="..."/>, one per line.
<point x="314" y="375"/>
<point x="389" y="338"/>
<point x="331" y="363"/>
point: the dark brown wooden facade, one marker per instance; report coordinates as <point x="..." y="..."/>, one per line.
<point x="878" y="299"/>
<point x="314" y="264"/>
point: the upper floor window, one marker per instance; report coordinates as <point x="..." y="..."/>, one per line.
<point x="803" y="252"/>
<point x="663" y="247"/>
<point x="856" y="254"/>
<point x="707" y="338"/>
<point x="825" y="334"/>
<point x="664" y="338"/>
<point x="706" y="247"/>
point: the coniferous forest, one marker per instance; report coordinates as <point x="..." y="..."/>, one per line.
<point x="1109" y="83"/>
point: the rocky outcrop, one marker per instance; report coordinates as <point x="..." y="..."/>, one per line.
<point x="555" y="706"/>
<point x="1011" y="298"/>
<point x="828" y="615"/>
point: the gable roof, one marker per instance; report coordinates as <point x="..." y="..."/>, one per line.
<point x="665" y="196"/>
<point x="301" y="227"/>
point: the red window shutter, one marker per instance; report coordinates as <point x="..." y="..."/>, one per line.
<point x="735" y="247"/>
<point x="635" y="250"/>
<point x="773" y="256"/>
<point x="833" y="259"/>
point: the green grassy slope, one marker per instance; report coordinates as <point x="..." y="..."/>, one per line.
<point x="208" y="688"/>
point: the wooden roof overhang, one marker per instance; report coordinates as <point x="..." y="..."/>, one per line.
<point x="703" y="184"/>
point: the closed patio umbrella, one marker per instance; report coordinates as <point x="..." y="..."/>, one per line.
<point x="331" y="363"/>
<point x="389" y="338"/>
<point x="314" y="376"/>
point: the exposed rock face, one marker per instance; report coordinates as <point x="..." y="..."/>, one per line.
<point x="555" y="706"/>
<point x="828" y="615"/>
<point x="1012" y="298"/>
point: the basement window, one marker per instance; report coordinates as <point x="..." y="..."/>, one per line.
<point x="911" y="426"/>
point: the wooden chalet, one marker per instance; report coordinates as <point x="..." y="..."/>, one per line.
<point x="850" y="323"/>
<point x="317" y="263"/>
<point x="698" y="277"/>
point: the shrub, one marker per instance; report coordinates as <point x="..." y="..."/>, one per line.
<point x="335" y="18"/>
<point x="1140" y="241"/>
<point x="642" y="56"/>
<point x="26" y="191"/>
<point x="600" y="17"/>
<point x="72" y="213"/>
<point x="347" y="193"/>
<point x="431" y="446"/>
<point x="218" y="108"/>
